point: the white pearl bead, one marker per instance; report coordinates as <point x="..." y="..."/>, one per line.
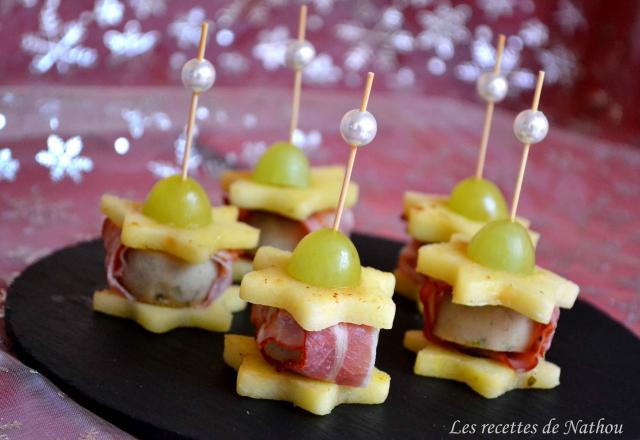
<point x="358" y="128"/>
<point x="299" y="54"/>
<point x="530" y="127"/>
<point x="198" y="75"/>
<point x="492" y="87"/>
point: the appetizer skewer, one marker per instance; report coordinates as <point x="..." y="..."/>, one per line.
<point x="167" y="260"/>
<point x="317" y="312"/>
<point x="284" y="196"/>
<point x="489" y="312"/>
<point x="472" y="202"/>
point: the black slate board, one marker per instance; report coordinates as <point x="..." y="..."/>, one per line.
<point x="176" y="385"/>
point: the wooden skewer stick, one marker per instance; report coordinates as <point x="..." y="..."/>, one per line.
<point x="488" y="116"/>
<point x="194" y="106"/>
<point x="525" y="151"/>
<point x="297" y="78"/>
<point x="352" y="156"/>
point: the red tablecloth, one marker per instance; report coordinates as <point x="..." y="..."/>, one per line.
<point x="63" y="145"/>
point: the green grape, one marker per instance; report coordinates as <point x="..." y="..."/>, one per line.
<point x="478" y="199"/>
<point x="283" y="164"/>
<point x="326" y="258"/>
<point x="503" y="245"/>
<point x="177" y="202"/>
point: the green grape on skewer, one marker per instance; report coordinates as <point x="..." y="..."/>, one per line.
<point x="506" y="244"/>
<point x="478" y="199"/>
<point x="503" y="245"/>
<point x="177" y="202"/>
<point x="283" y="164"/>
<point x="327" y="257"/>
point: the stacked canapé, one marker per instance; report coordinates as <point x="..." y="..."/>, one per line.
<point x="317" y="313"/>
<point x="489" y="312"/>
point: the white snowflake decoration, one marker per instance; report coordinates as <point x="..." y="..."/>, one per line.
<point x="559" y="64"/>
<point x="483" y="55"/>
<point x="252" y="151"/>
<point x="495" y="9"/>
<point x="233" y="62"/>
<point x="8" y="165"/>
<point x="147" y="8"/>
<point x="186" y="28"/>
<point x="322" y="71"/>
<point x="49" y="109"/>
<point x="569" y="17"/>
<point x="138" y="122"/>
<point x="405" y="77"/>
<point x="256" y="13"/>
<point x="108" y="12"/>
<point x="534" y="33"/>
<point x="307" y="141"/>
<point x="444" y="28"/>
<point x="162" y="169"/>
<point x="483" y="58"/>
<point x="271" y="47"/>
<point x="63" y="158"/>
<point x="381" y="44"/>
<point x="131" y="42"/>
<point x="195" y="158"/>
<point x="57" y="44"/>
<point x="323" y="6"/>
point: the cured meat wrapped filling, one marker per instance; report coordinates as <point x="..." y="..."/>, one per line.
<point x="408" y="260"/>
<point x="159" y="278"/>
<point x="344" y="353"/>
<point x="285" y="233"/>
<point x="494" y="332"/>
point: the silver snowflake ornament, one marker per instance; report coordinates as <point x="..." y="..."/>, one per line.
<point x="494" y="9"/>
<point x="146" y="8"/>
<point x="560" y="65"/>
<point x="444" y="27"/>
<point x="186" y="28"/>
<point x="8" y="165"/>
<point x="108" y="12"/>
<point x="57" y="43"/>
<point x="322" y="70"/>
<point x="483" y="57"/>
<point x="534" y="33"/>
<point x="233" y="62"/>
<point x="162" y="169"/>
<point x="569" y="17"/>
<point x="307" y="141"/>
<point x="380" y="45"/>
<point x="138" y="122"/>
<point x="271" y="47"/>
<point x="63" y="158"/>
<point x="131" y="42"/>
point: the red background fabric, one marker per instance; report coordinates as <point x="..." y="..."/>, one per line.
<point x="582" y="183"/>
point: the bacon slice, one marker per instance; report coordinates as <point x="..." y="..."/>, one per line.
<point x="300" y="228"/>
<point x="343" y="353"/>
<point x="324" y="219"/>
<point x="434" y="292"/>
<point x="321" y="219"/>
<point x="408" y="261"/>
<point x="115" y="262"/>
